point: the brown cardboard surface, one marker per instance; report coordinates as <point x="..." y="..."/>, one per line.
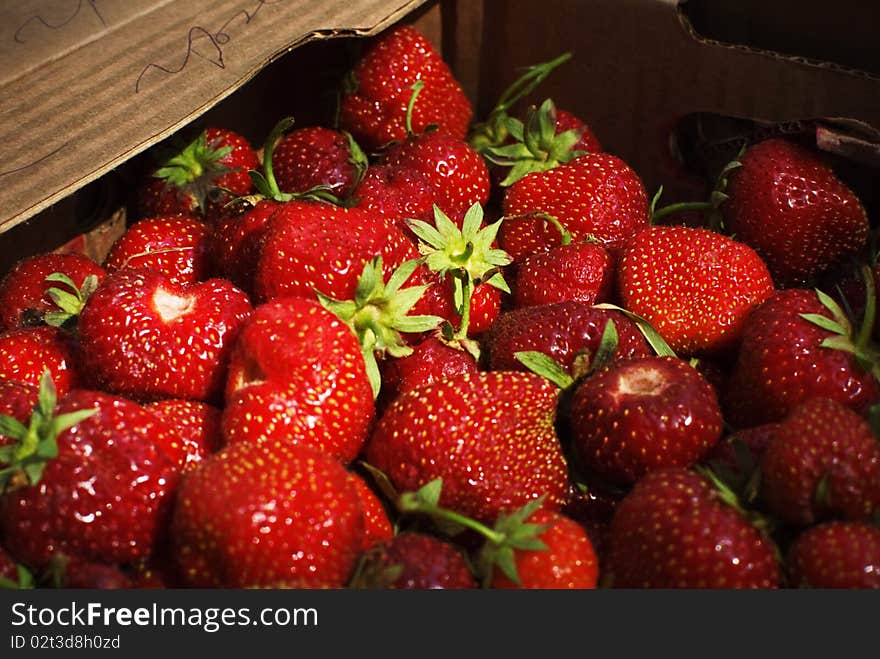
<point x="86" y="84"/>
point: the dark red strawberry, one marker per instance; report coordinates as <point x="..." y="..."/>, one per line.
<point x="582" y="271"/>
<point x="836" y="555"/>
<point x="396" y="194"/>
<point x="234" y="243"/>
<point x="489" y="436"/>
<point x="147" y="338"/>
<point x="588" y="142"/>
<point x="197" y="425"/>
<point x="24" y="299"/>
<point x="8" y="569"/>
<point x="415" y="561"/>
<point x="263" y="514"/>
<point x="174" y="245"/>
<point x="27" y="352"/>
<point x="17" y="400"/>
<point x="374" y="107"/>
<point x="595" y="195"/>
<point x="75" y="572"/>
<point x="377" y="525"/>
<point x="736" y="459"/>
<point x="593" y="507"/>
<point x="823" y="463"/>
<point x="315" y="156"/>
<point x="642" y="414"/>
<point x="695" y="286"/>
<point x="786" y="358"/>
<point x="673" y="530"/>
<point x="296" y="375"/>
<point x="790" y="206"/>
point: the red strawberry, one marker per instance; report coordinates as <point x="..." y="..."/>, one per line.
<point x="25" y="353"/>
<point x="638" y="415"/>
<point x="75" y="572"/>
<point x="439" y="300"/>
<point x="296" y="375"/>
<point x="415" y="561"/>
<point x="377" y="525"/>
<point x="17" y="400"/>
<point x="197" y="425"/>
<point x="189" y="177"/>
<point x="23" y="290"/>
<point x="582" y="271"/>
<point x="673" y="530"/>
<point x="147" y="338"/>
<point x="595" y="195"/>
<point x="8" y="569"/>
<point x="395" y="194"/>
<point x="588" y="142"/>
<point x="489" y="436"/>
<point x="234" y="243"/>
<point x="306" y="158"/>
<point x="823" y="462"/>
<point x="174" y="245"/>
<point x="259" y="515"/>
<point x="789" y="205"/>
<point x="836" y="555"/>
<point x="105" y="496"/>
<point x="374" y="110"/>
<point x="786" y="358"/>
<point x="696" y="287"/>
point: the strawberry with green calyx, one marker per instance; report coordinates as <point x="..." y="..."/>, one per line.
<point x="379" y="313"/>
<point x="465" y="254"/>
<point x="69" y="302"/>
<point x="14" y="576"/>
<point x="317" y="157"/>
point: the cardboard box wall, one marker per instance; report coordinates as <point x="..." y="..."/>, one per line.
<point x="83" y="106"/>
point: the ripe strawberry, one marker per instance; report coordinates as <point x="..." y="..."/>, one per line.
<point x="836" y="555"/>
<point x="823" y="462"/>
<point x="415" y="561"/>
<point x="696" y="287"/>
<point x="24" y="299"/>
<point x="374" y="107"/>
<point x="395" y="194"/>
<point x="789" y="353"/>
<point x="673" y="530"/>
<point x="311" y="247"/>
<point x="582" y="271"/>
<point x="377" y="525"/>
<point x="8" y="570"/>
<point x="597" y="195"/>
<point x="588" y="141"/>
<point x="17" y="400"/>
<point x="315" y="156"/>
<point x="789" y="205"/>
<point x="262" y="514"/>
<point x="97" y="485"/>
<point x="191" y="178"/>
<point x="566" y="331"/>
<point x="27" y="352"/>
<point x="74" y="572"/>
<point x="489" y="436"/>
<point x="197" y="425"/>
<point x="234" y="243"/>
<point x="638" y="415"/>
<point x="439" y="300"/>
<point x="296" y="375"/>
<point x="174" y="245"/>
<point x="147" y="338"/>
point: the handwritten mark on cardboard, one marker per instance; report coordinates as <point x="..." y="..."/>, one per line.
<point x="34" y="162"/>
<point x="58" y="24"/>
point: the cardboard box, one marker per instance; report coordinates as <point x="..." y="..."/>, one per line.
<point x="87" y="87"/>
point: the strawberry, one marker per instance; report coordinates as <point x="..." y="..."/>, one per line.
<point x="596" y="194"/>
<point x="197" y="425"/>
<point x="234" y="242"/>
<point x="74" y="572"/>
<point x="148" y="338"/>
<point x="8" y="569"/>
<point x="174" y="245"/>
<point x="374" y="106"/>
<point x="439" y="300"/>
<point x="296" y="375"/>
<point x="24" y="299"/>
<point x="315" y="156"/>
<point x="414" y="561"/>
<point x="27" y="352"/>
<point x="588" y="141"/>
<point x="823" y="462"/>
<point x="17" y="400"/>
<point x="395" y="194"/>
<point x="638" y="415"/>
<point x="836" y="555"/>
<point x="489" y="436"/>
<point x="263" y="514"/>
<point x="582" y="271"/>
<point x="194" y="178"/>
<point x="377" y="525"/>
<point x="797" y="345"/>
<point x="94" y="481"/>
<point x="673" y="530"/>
<point x="791" y="207"/>
<point x="696" y="287"/>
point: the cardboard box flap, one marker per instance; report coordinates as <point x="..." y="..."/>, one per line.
<point x="87" y="85"/>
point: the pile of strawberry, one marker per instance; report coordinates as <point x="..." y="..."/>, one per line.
<point x="413" y="350"/>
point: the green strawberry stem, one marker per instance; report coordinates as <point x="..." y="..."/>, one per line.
<point x="70" y="304"/>
<point x="417" y="88"/>
<point x="867" y="327"/>
<point x="563" y="232"/>
<point x="729" y="497"/>
<point x="680" y="207"/>
<point x="25" y="580"/>
<point x="192" y="162"/>
<point x="546" y="367"/>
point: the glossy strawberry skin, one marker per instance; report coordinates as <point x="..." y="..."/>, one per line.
<point x="374" y="113"/>
<point x="296" y="375"/>
<point x="582" y="271"/>
<point x="822" y="440"/>
<point x="26" y="352"/>
<point x="377" y="525"/>
<point x="781" y="363"/>
<point x="566" y="120"/>
<point x="23" y="299"/>
<point x="106" y="496"/>
<point x="672" y="531"/>
<point x="489" y="436"/>
<point x="174" y="245"/>
<point x="234" y="243"/>
<point x="696" y="287"/>
<point x="639" y="415"/>
<point x="439" y="300"/>
<point x="396" y="194"/>
<point x="147" y="338"/>
<point x="18" y="401"/>
<point x="797" y="214"/>
<point x="836" y="555"/>
<point x="258" y="515"/>
<point x="196" y="424"/>
<point x="314" y="156"/>
<point x="595" y="195"/>
<point x="424" y="563"/>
